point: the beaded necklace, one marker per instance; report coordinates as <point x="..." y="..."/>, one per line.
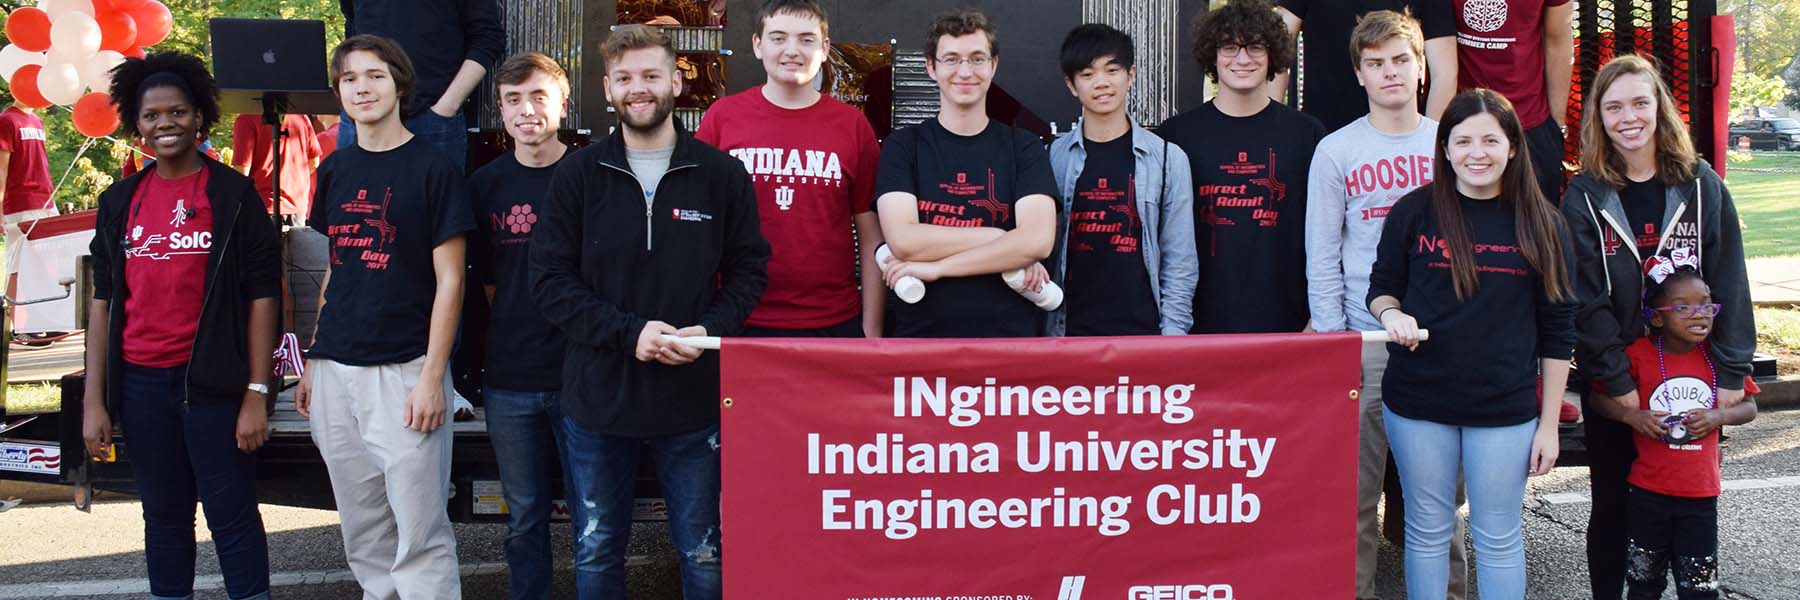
<point x="1663" y="367"/>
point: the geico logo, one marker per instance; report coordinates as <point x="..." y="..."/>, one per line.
<point x="1179" y="592"/>
<point x="190" y="241"/>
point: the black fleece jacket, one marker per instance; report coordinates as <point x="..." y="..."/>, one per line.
<point x="244" y="265"/>
<point x="603" y="264"/>
<point x="1609" y="277"/>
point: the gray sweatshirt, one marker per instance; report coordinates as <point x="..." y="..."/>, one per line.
<point x="1357" y="174"/>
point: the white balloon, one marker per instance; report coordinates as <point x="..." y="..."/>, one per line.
<point x="96" y="71"/>
<point x="57" y="8"/>
<point x="74" y="37"/>
<point x="60" y="83"/>
<point x="12" y="57"/>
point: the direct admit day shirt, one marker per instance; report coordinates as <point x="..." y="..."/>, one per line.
<point x="384" y="213"/>
<point x="966" y="181"/>
<point x="28" y="169"/>
<point x="1249" y="215"/>
<point x="1106" y="285"/>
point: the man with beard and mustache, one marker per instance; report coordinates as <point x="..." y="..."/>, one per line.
<point x="647" y="233"/>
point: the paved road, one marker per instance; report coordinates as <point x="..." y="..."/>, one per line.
<point x="52" y="551"/>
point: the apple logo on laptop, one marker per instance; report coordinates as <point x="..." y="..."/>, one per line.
<point x="269" y="57"/>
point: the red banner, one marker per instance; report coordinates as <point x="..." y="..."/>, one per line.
<point x="1184" y="468"/>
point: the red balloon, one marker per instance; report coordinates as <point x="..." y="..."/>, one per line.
<point x="25" y="87"/>
<point x="29" y="29"/>
<point x="153" y="22"/>
<point x="117" y="30"/>
<point x="95" y="115"/>
<point x="121" y="5"/>
<point x="133" y="52"/>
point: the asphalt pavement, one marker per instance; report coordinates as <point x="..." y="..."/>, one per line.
<point x="49" y="550"/>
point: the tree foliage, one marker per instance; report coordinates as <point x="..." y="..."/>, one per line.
<point x="1749" y="90"/>
<point x="1767" y="36"/>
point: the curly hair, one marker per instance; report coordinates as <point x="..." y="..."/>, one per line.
<point x="164" y="69"/>
<point x="1242" y="22"/>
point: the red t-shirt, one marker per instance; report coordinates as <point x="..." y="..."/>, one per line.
<point x="169" y="225"/>
<point x="813" y="169"/>
<point x="250" y="145"/>
<point x="1689" y="470"/>
<point x="1500" y="46"/>
<point x="327" y="141"/>
<point x="28" y="170"/>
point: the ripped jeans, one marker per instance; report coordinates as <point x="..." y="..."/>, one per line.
<point x="602" y="470"/>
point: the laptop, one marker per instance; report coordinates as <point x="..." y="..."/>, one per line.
<point x="256" y="57"/>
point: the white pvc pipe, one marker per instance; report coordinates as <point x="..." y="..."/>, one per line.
<point x="707" y="342"/>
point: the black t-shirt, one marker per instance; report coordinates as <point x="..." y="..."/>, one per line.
<point x="524" y="351"/>
<point x="966" y="181"/>
<point x="384" y="213"/>
<point x="1644" y="203"/>
<point x="1479" y="369"/>
<point x="1249" y="215"/>
<point x="1330" y="91"/>
<point x="1106" y="285"/>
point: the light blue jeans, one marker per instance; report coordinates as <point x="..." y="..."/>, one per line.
<point x="1493" y="462"/>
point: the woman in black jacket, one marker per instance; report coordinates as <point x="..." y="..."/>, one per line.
<point x="182" y="330"/>
<point x="1642" y="192"/>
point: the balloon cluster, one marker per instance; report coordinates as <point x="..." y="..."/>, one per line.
<point x="61" y="48"/>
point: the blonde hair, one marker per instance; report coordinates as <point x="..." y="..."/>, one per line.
<point x="1377" y="27"/>
<point x="1675" y="156"/>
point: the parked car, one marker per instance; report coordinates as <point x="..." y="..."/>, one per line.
<point x="1767" y="134"/>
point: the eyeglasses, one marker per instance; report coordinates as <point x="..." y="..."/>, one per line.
<point x="976" y="62"/>
<point x="1689" y="311"/>
<point x="1232" y="50"/>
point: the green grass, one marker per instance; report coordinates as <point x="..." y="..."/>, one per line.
<point x="1768" y="203"/>
<point x="33" y="398"/>
<point x="1778" y="328"/>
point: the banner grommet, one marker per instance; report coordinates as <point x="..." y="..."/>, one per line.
<point x="1354" y="394"/>
<point x="727" y="403"/>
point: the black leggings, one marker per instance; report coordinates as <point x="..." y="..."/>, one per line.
<point x="1610" y="453"/>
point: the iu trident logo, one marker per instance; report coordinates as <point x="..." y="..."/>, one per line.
<point x="784" y="197"/>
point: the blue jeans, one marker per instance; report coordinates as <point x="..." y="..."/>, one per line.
<point x="1493" y="462"/>
<point x="602" y="469"/>
<point x="182" y="453"/>
<point x="450" y="134"/>
<point x="522" y="426"/>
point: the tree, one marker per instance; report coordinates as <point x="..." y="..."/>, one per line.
<point x="1767" y="38"/>
<point x="1750" y="90"/>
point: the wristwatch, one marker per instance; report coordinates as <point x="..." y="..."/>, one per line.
<point x="258" y="388"/>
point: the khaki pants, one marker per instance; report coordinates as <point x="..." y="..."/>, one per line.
<point x="1371" y="472"/>
<point x="391" y="483"/>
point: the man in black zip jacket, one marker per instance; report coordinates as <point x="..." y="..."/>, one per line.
<point x="647" y="233"/>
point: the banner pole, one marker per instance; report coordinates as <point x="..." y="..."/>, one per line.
<point x="707" y="342"/>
